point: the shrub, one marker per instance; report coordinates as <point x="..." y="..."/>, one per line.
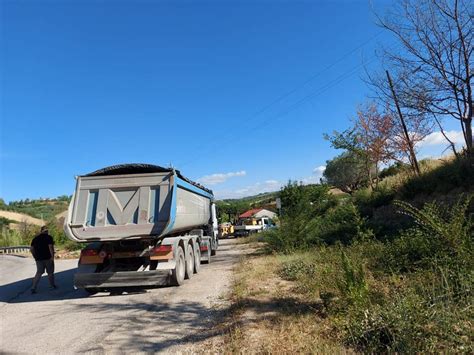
<point x="294" y="269"/>
<point x="395" y="169"/>
<point x="413" y="320"/>
<point x="340" y="224"/>
<point x="442" y="236"/>
<point x="353" y="285"/>
<point x="72" y="245"/>
<point x="367" y="201"/>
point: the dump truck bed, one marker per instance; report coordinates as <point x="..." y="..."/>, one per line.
<point x="135" y="201"/>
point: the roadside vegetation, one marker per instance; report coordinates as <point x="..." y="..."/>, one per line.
<point x="20" y="232"/>
<point x="337" y="277"/>
<point x="43" y="208"/>
<point x="387" y="265"/>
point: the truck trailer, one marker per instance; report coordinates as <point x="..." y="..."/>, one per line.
<point x="144" y="225"/>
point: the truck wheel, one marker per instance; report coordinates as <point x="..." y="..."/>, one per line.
<point x="189" y="263"/>
<point x="177" y="275"/>
<point x="208" y="256"/>
<point x="197" y="259"/>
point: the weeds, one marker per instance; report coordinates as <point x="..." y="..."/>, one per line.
<point x="353" y="285"/>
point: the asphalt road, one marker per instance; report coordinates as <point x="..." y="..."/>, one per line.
<point x="165" y="319"/>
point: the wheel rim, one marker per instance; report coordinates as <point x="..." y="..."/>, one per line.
<point x="182" y="265"/>
<point x="191" y="262"/>
<point x="197" y="260"/>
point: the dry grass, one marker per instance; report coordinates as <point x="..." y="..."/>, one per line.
<point x="269" y="316"/>
<point x="21" y="218"/>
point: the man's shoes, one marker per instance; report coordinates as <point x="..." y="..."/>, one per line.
<point x="33" y="291"/>
<point x="54" y="287"/>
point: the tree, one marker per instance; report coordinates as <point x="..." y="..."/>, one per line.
<point x="374" y="133"/>
<point x="376" y="137"/>
<point x="299" y="199"/>
<point x="433" y="68"/>
<point x="346" y="172"/>
<point x="229" y="210"/>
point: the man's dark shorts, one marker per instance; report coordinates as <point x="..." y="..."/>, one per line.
<point x="47" y="265"/>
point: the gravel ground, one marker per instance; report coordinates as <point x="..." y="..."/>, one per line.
<point x="165" y="319"/>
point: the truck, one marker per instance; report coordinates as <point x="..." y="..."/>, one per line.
<point x="143" y="225"/>
<point x="226" y="229"/>
<point x="249" y="226"/>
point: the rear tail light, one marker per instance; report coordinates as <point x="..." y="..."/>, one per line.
<point x="91" y="256"/>
<point x="162" y="252"/>
<point x="89" y="252"/>
<point x="162" y="249"/>
<point x="204" y="247"/>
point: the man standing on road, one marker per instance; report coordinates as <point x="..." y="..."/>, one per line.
<point x="42" y="248"/>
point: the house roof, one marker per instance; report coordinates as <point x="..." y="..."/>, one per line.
<point x="250" y="213"/>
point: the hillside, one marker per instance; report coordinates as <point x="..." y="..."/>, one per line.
<point x="255" y="200"/>
<point x="381" y="270"/>
<point x="42" y="209"/>
<point x="21" y="217"/>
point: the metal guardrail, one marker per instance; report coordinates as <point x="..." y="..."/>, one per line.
<point x="21" y="249"/>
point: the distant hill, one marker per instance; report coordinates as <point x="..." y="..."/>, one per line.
<point x="21" y="217"/>
<point x="257" y="200"/>
<point x="42" y="209"/>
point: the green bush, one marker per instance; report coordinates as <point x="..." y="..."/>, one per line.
<point x="314" y="217"/>
<point x="429" y="307"/>
<point x="441" y="236"/>
<point x="415" y="319"/>
<point x="353" y="285"/>
<point x="294" y="269"/>
<point x="342" y="223"/>
<point x="72" y="246"/>
<point x="395" y="169"/>
<point x="367" y="201"/>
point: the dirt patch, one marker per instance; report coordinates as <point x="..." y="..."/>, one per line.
<point x="65" y="254"/>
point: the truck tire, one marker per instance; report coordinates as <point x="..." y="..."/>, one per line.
<point x="189" y="263"/>
<point x="208" y="256"/>
<point x="177" y="275"/>
<point x="197" y="259"/>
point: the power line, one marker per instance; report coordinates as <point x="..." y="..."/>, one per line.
<point x="300" y="102"/>
<point x="307" y="81"/>
<point x="312" y="77"/>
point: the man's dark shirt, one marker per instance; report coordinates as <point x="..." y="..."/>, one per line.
<point x="41" y="245"/>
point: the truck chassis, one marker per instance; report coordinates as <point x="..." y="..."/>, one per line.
<point x="104" y="266"/>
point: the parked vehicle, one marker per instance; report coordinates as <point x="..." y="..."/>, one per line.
<point x="226" y="230"/>
<point x="252" y="225"/>
<point x="145" y="225"/>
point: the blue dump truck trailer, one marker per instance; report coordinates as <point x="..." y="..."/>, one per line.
<point x="144" y="225"/>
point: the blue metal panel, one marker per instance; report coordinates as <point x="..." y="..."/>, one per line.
<point x="190" y="187"/>
<point x="173" y="207"/>
<point x="154" y="204"/>
<point x="92" y="208"/>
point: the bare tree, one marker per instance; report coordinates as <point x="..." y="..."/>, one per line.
<point x="433" y="68"/>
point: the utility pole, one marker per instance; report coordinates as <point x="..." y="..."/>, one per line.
<point x="405" y="130"/>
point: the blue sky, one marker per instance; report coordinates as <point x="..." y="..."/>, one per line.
<point x="200" y="85"/>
